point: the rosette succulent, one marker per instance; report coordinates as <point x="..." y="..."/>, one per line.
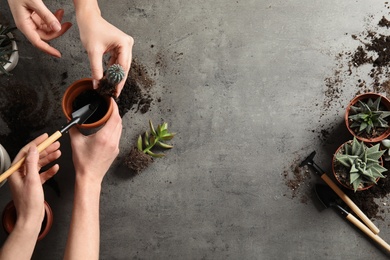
<point x="362" y="162"/>
<point x="367" y="116"/>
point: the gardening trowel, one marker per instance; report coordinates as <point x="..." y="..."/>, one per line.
<point x="310" y="162"/>
<point x="327" y="196"/>
<point x="78" y="117"/>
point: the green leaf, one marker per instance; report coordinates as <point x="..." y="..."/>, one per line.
<point x="164" y="145"/>
<point x="146" y="139"/>
<point x="152" y="128"/>
<point x="139" y="143"/>
<point x="155" y="155"/>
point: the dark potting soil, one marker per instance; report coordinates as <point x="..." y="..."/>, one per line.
<point x="137" y="160"/>
<point x="106" y="88"/>
<point x="135" y="94"/>
<point x="88" y="97"/>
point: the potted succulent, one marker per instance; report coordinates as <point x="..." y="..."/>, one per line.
<point x="141" y="156"/>
<point x="9" y="219"/>
<point x="5" y="162"/>
<point x="9" y="55"/>
<point x="367" y="117"/>
<point x="358" y="166"/>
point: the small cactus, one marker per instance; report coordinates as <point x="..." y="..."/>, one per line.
<point x="107" y="85"/>
<point x="115" y="74"/>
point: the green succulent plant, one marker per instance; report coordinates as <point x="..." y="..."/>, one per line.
<point x="115" y="74"/>
<point x="155" y="137"/>
<point x="5" y="46"/>
<point x="362" y="162"/>
<point x="367" y="116"/>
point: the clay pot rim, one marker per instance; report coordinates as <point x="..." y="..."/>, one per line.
<point x="384" y="100"/>
<point x="9" y="226"/>
<point x="14" y="58"/>
<point x="343" y="184"/>
<point x="85" y="83"/>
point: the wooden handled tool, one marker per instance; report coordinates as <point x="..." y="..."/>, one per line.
<point x="310" y="162"/>
<point x="78" y="117"/>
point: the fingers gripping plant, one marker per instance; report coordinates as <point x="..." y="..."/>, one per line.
<point x="362" y="162"/>
<point x="368" y="116"/>
<point x="113" y="75"/>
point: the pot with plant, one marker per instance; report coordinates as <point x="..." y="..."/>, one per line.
<point x="81" y="93"/>
<point x="357" y="166"/>
<point x="367" y="117"/>
<point x="9" y="55"/>
<point x="141" y="156"/>
<point x="5" y="162"/>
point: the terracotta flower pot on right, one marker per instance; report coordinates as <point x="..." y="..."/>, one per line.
<point x="81" y="93"/>
<point x="385" y="102"/>
<point x="9" y="219"/>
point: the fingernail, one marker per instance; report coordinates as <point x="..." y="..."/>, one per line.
<point x="56" y="26"/>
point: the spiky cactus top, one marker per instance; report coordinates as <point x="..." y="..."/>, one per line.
<point x="113" y="75"/>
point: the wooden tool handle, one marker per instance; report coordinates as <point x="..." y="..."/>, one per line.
<point x="368" y="232"/>
<point x="350" y="203"/>
<point x="42" y="146"/>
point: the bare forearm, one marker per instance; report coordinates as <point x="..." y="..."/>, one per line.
<point x="83" y="7"/>
<point x="84" y="233"/>
<point x="21" y="242"/>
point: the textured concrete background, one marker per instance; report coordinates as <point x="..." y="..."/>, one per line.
<point x="242" y="85"/>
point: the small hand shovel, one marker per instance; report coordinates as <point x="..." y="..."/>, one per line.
<point x="327" y="196"/>
<point x="78" y="117"/>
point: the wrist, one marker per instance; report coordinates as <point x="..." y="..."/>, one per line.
<point x="86" y="8"/>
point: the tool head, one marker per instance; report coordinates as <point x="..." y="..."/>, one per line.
<point x="308" y="160"/>
<point x="326" y="195"/>
<point x="81" y="115"/>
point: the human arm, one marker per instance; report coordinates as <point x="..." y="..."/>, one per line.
<point x="100" y="37"/>
<point x="38" y="23"/>
<point x="27" y="193"/>
<point x="92" y="157"/>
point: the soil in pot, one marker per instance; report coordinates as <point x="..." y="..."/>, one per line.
<point x="88" y="97"/>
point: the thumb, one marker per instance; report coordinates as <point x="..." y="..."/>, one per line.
<point x="32" y="162"/>
<point x="47" y="16"/>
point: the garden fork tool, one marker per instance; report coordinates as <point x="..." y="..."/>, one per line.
<point x="329" y="199"/>
<point x="78" y="117"/>
<point x="310" y="162"/>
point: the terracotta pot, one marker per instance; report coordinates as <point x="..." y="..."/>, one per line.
<point x="14" y="58"/>
<point x="72" y="92"/>
<point x="384" y="101"/>
<point x="345" y="184"/>
<point x="5" y="162"/>
<point x="9" y="219"/>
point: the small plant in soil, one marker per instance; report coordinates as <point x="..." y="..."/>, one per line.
<point x="141" y="157"/>
<point x="111" y="78"/>
<point x="358" y="165"/>
<point x="5" y="46"/>
<point x="368" y="118"/>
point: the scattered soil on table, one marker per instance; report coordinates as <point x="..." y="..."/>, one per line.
<point x="365" y="69"/>
<point x="136" y="94"/>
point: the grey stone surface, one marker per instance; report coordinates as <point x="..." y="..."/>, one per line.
<point x="242" y="83"/>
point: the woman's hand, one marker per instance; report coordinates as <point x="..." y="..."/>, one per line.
<point x="38" y="23"/>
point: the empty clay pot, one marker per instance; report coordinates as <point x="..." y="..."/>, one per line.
<point x="9" y="219"/>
